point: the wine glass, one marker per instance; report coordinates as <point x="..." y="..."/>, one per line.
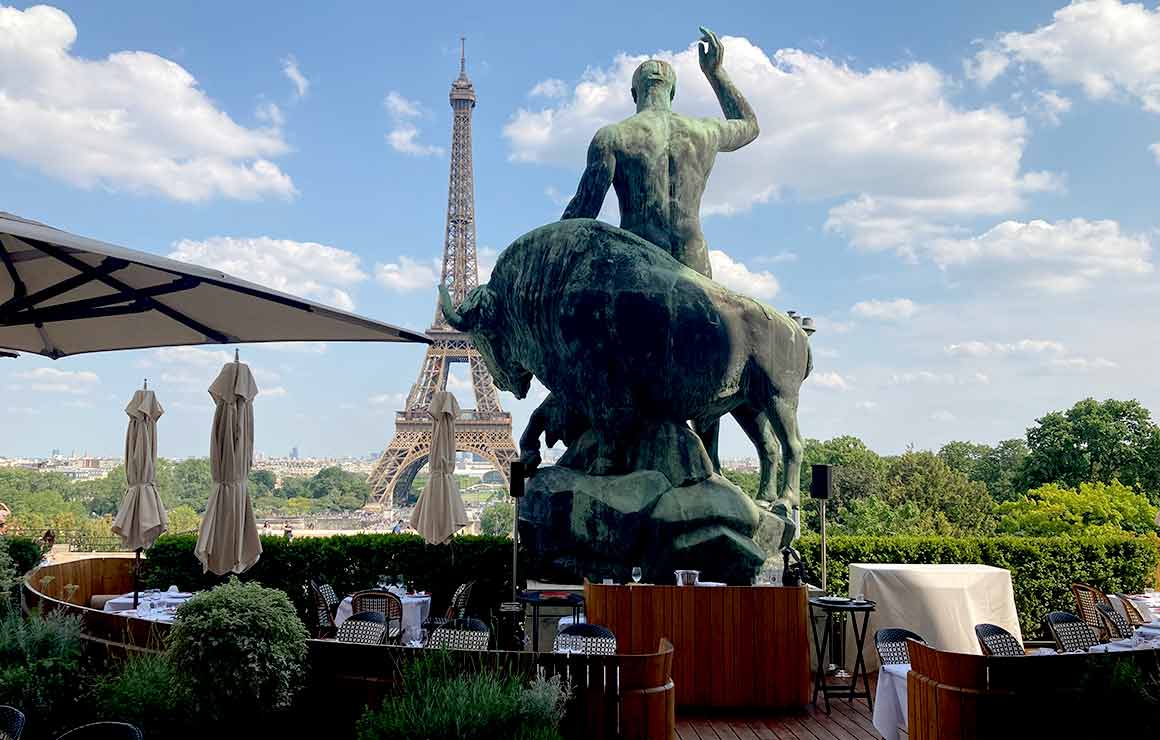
<point x="637" y="574"/>
<point x="400" y="583"/>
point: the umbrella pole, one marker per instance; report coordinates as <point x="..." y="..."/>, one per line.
<point x="516" y="474"/>
<point x="136" y="576"/>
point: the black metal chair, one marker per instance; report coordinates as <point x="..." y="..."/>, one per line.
<point x="1132" y="610"/>
<point x="11" y="722"/>
<point x="103" y="731"/>
<point x="460" y="634"/>
<point x="387" y="604"/>
<point x="994" y="640"/>
<point x="589" y="639"/>
<point x="456" y="609"/>
<point x="365" y="631"/>
<point x="329" y="595"/>
<point x="323" y="613"/>
<point x="1087" y="598"/>
<point x="1117" y="627"/>
<point x="1071" y="634"/>
<point x="890" y="644"/>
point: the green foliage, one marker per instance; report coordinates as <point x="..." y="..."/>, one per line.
<point x="241" y="649"/>
<point x="184" y="519"/>
<point x="350" y="563"/>
<point x="496" y="518"/>
<point x="859" y="472"/>
<point x="873" y="516"/>
<point x="439" y="702"/>
<point x="1042" y="568"/>
<point x="24" y="552"/>
<point x="746" y="480"/>
<point x="954" y="504"/>
<point x="40" y="668"/>
<point x="1093" y="508"/>
<point x="146" y="691"/>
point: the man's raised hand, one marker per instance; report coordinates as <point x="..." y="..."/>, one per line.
<point x="710" y="51"/>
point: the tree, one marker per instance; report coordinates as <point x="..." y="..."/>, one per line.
<point x="923" y="479"/>
<point x="1092" y="508"/>
<point x="964" y="457"/>
<point x="1001" y="468"/>
<point x="873" y="516"/>
<point x="184" y="519"/>
<point x="496" y="518"/>
<point x="1095" y="441"/>
<point x="746" y="480"/>
<point x="859" y="472"/>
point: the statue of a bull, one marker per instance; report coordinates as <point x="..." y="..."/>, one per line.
<point x="622" y="332"/>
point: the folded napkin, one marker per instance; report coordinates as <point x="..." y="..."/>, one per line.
<point x="1043" y="651"/>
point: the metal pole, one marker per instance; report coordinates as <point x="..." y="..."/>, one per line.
<point x="515" y="549"/>
<point x="822" y="513"/>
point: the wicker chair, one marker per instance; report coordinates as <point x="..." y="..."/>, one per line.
<point x="1135" y="616"/>
<point x="1115" y="625"/>
<point x="385" y="603"/>
<point x="1086" y="598"/>
<point x="891" y="645"/>
<point x="457" y="609"/>
<point x="994" y="640"/>
<point x="362" y="630"/>
<point x="324" y="615"/>
<point x="11" y="722"/>
<point x="103" y="731"/>
<point x="460" y="634"/>
<point x="589" y="639"/>
<point x="329" y="595"/>
<point x="1071" y="634"/>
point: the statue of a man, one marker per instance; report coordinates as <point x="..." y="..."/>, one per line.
<point x="659" y="161"/>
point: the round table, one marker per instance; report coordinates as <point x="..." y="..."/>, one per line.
<point x="415" y="611"/>
<point x="838" y="610"/>
<point x="537" y="599"/>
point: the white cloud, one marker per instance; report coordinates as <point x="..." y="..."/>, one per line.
<point x="894" y="310"/>
<point x="389" y="399"/>
<point x="736" y="276"/>
<point x="1059" y="257"/>
<point x="192" y="356"/>
<point x="986" y="65"/>
<point x="830" y="381"/>
<point x="51" y="380"/>
<point x="408" y="274"/>
<point x="1050" y="106"/>
<point x="458" y="381"/>
<point x="275" y="392"/>
<point x="270" y="113"/>
<point x="927" y="377"/>
<point x="866" y="405"/>
<point x="975" y="348"/>
<point x="132" y="121"/>
<point x="404" y="134"/>
<point x="1107" y="48"/>
<point x="783" y="256"/>
<point x="549" y="88"/>
<point x="307" y="269"/>
<point x="485" y="258"/>
<point x="1082" y="364"/>
<point x="942" y="415"/>
<point x="906" y="162"/>
<point x="294" y="74"/>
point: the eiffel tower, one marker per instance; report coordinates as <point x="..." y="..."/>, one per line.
<point x="485" y="430"/>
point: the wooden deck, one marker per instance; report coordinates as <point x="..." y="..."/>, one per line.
<point x="846" y="721"/>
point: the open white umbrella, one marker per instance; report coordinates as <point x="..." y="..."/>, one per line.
<point x="439" y="514"/>
<point x="141" y="517"/>
<point x="228" y="540"/>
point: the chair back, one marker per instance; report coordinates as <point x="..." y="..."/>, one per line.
<point x="1072" y="634"/>
<point x="322" y="612"/>
<point x="457" y="608"/>
<point x="1086" y="598"/>
<point x="363" y="631"/>
<point x="1116" y="626"/>
<point x="1135" y="616"/>
<point x="994" y="640"/>
<point x="891" y="645"/>
<point x="384" y="602"/>
<point x="589" y="639"/>
<point x="328" y="595"/>
<point x="11" y="722"/>
<point x="460" y="634"/>
<point x="103" y="731"/>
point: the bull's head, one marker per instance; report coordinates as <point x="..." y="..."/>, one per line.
<point x="479" y="316"/>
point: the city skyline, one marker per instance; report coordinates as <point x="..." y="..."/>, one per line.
<point x="970" y="221"/>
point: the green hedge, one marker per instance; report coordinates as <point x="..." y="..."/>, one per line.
<point x="25" y="553"/>
<point x="350" y="563"/>
<point x="1042" y="568"/>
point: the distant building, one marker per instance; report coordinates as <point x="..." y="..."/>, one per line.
<point x="294" y="453"/>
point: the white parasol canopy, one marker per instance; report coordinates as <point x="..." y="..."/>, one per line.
<point x="439" y="514"/>
<point x="141" y="517"/>
<point x="228" y="540"/>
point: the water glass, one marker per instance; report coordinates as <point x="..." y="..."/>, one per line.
<point x="637" y="574"/>
<point x="400" y="582"/>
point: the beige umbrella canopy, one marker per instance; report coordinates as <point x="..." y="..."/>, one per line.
<point x="439" y="514"/>
<point x="228" y="540"/>
<point x="141" y="518"/>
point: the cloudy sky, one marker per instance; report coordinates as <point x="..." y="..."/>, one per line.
<point x="963" y="194"/>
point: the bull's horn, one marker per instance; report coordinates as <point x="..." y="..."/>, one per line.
<point x="449" y="311"/>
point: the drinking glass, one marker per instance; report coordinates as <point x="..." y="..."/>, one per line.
<point x="400" y="583"/>
<point x="636" y="574"/>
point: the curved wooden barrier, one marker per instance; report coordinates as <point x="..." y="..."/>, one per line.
<point x="613" y="696"/>
<point x="969" y="697"/>
<point x="69" y="588"/>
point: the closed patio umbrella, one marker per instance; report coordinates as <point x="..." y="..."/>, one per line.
<point x="439" y="514"/>
<point x="141" y="518"/>
<point x="228" y="540"/>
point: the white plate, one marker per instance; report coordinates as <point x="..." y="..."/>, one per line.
<point x="834" y="599"/>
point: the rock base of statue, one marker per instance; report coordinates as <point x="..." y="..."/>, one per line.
<point x="574" y="525"/>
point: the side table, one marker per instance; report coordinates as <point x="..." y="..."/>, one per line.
<point x="835" y="610"/>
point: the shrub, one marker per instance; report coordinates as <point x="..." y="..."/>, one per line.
<point x="241" y="649"/>
<point x="146" y="691"/>
<point x="40" y="668"/>
<point x="25" y="553"/>
<point x="1042" y="568"/>
<point x="350" y="563"/>
<point x="439" y="703"/>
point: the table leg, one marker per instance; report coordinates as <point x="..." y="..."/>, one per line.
<point x="820" y="645"/>
<point x="860" y="662"/>
<point x="535" y="628"/>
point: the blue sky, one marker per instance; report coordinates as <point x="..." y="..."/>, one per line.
<point x="964" y="194"/>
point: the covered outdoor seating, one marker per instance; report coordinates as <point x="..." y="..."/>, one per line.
<point x="367" y="631"/>
<point x="1087" y="598"/>
<point x="456" y="608"/>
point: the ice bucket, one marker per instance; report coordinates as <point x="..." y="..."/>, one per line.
<point x="687" y="577"/>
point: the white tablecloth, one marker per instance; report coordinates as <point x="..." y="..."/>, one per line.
<point x="942" y="603"/>
<point x="1148" y="605"/>
<point x="415" y="611"/>
<point x="890" y="700"/>
<point x="124" y="602"/>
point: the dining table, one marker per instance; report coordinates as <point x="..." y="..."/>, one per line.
<point x="889" y="716"/>
<point x="416" y="608"/>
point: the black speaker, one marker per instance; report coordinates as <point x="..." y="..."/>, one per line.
<point x="822" y="482"/>
<point x="516" y="488"/>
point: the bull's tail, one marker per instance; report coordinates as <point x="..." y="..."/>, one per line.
<point x="809" y="360"/>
